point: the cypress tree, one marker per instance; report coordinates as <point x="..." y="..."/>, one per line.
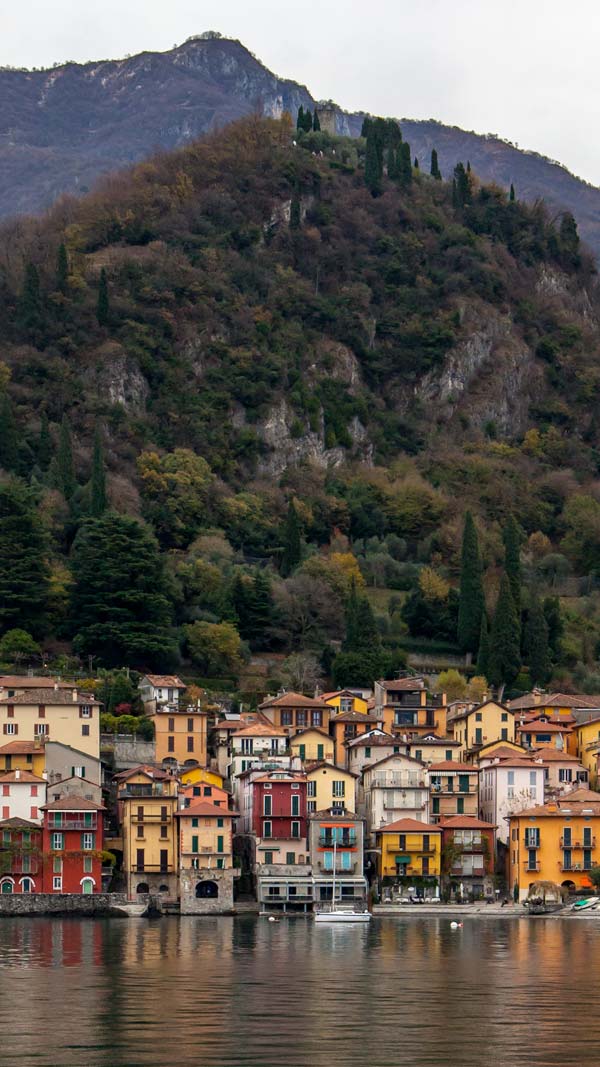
<point x="316" y="122"/>
<point x="366" y="127"/>
<point x="44" y="448"/>
<point x="98" y="493"/>
<point x="463" y="185"/>
<point x="537" y="648"/>
<point x="512" y="560"/>
<point x="292" y="544"/>
<point x="511" y="196"/>
<point x="553" y="617"/>
<point x="30" y="303"/>
<point x="24" y="578"/>
<point x="103" y="309"/>
<point x="392" y="166"/>
<point x="504" y="657"/>
<point x="65" y="468"/>
<point x="295" y="212"/>
<point x="405" y="165"/>
<point x="300" y="119"/>
<point x="454" y="194"/>
<point x="362" y="633"/>
<point x="434" y="169"/>
<point x="471" y="603"/>
<point x="372" y="166"/>
<point x="308" y="120"/>
<point x="416" y="164"/>
<point x="9" y="437"/>
<point x="483" y="654"/>
<point x="62" y="269"/>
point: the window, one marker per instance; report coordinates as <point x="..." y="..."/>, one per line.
<point x="57" y="882"/>
<point x="478" y="716"/>
<point x="402" y="842"/>
<point x="311" y="788"/>
<point x="267" y="805"/>
<point x="164" y="831"/>
<point x="88" y="864"/>
<point x="164" y="860"/>
<point x="10" y="728"/>
<point x="190" y="744"/>
<point x="220" y="864"/>
<point x="449" y="754"/>
<point x="587" y="837"/>
<point x="195" y="823"/>
<point x="328" y="861"/>
<point x="504" y="734"/>
<point x="419" y="754"/>
<point x="339" y="788"/>
<point x="5" y="790"/>
<point x="78" y="772"/>
<point x="85" y="711"/>
<point x="463" y="783"/>
<point x="290" y="858"/>
<point x="87" y="841"/>
<point x="532" y="837"/>
<point x="478" y="736"/>
<point x="295" y="829"/>
<point x="170" y="744"/>
<point x="565" y="774"/>
<point x="311" y="805"/>
<point x="220" y="823"/>
<point x="268" y="857"/>
<point x="220" y="843"/>
<point x="317" y="718"/>
<point x="41" y="712"/>
<point x="85" y="730"/>
<point x="435" y="805"/>
<point x="57" y="864"/>
<point x="26" y="864"/>
<point x="171" y="726"/>
<point x="140" y="830"/>
<point x="34" y="791"/>
<point x="267" y="828"/>
<point x="460" y="805"/>
<point x="57" y="842"/>
<point x="247" y="746"/>
<point x="286" y="718"/>
<point x="10" y="711"/>
<point x="33" y="812"/>
<point x="194" y="842"/>
<point x="40" y="729"/>
<point x="367" y="751"/>
<point x="504" y="716"/>
<point x="190" y="726"/>
<point x="295" y="805"/>
<point x="567" y="836"/>
<point x="301" y="718"/>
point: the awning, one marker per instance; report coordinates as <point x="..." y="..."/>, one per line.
<point x="402" y="859"/>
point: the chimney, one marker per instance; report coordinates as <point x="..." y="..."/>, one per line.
<point x="17" y="774"/>
<point x="45" y="775"/>
<point x="74" y="696"/>
<point x="55" y="686"/>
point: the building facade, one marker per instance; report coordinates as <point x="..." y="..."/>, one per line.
<point x="409" y="860"/>
<point x="21" y="857"/>
<point x="72" y="843"/>
<point x="206" y="869"/>
<point x="148" y="803"/>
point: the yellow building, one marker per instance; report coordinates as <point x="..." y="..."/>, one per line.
<point x="433" y="749"/>
<point x="407" y="707"/>
<point x="555" y="842"/>
<point x="480" y="725"/>
<point x="329" y="786"/>
<point x="410" y="850"/>
<point x="23" y="756"/>
<point x="66" y="715"/>
<point x="344" y="701"/>
<point x="588" y="738"/>
<point x="312" y="744"/>
<point x="181" y="735"/>
<point x="147" y="804"/>
<point x="201" y="776"/>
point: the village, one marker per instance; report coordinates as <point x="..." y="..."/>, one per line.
<point x="387" y="797"/>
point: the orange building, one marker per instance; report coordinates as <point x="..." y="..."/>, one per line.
<point x="346" y="727"/>
<point x="407" y="707"/>
<point x="180" y="735"/>
<point x="293" y="712"/>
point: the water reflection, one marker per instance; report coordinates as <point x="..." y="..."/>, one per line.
<point x="231" y="993"/>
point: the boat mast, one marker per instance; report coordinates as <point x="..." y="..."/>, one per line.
<point x="334" y="859"/>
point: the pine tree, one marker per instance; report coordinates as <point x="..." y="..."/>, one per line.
<point x="483" y="654"/>
<point x="454" y="194"/>
<point x="300" y="119"/>
<point x="504" y="657"/>
<point x="292" y="544"/>
<point x="65" y="467"/>
<point x="44" y="448"/>
<point x="24" y="578"/>
<point x="434" y="169"/>
<point x="537" y="648"/>
<point x="103" y="309"/>
<point x="98" y="487"/>
<point x="30" y="303"/>
<point x="9" y="437"/>
<point x="62" y="269"/>
<point x="471" y="605"/>
<point x="512" y="193"/>
<point x="372" y="166"/>
<point x="512" y="560"/>
<point x="316" y="122"/>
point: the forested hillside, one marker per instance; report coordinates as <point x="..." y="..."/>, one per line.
<point x="250" y="390"/>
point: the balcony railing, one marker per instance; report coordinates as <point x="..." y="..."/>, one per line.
<point x="398" y="781"/>
<point x="328" y="868"/>
<point x="74" y="824"/>
<point x="152" y="818"/>
<point x="578" y="844"/>
<point x="153" y="868"/>
<point x="530" y="844"/>
<point x="348" y="841"/>
<point x="450" y="789"/>
<point x="532" y="866"/>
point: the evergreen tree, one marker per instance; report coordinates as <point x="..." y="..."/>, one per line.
<point x="511" y="196"/>
<point x="44" y="448"/>
<point x="65" y="467"/>
<point x="483" y="654"/>
<point x="9" y="437"/>
<point x="416" y="164"/>
<point x="292" y="544"/>
<point x="308" y="120"/>
<point x="372" y="166"/>
<point x="103" y="309"/>
<point x="30" y="303"/>
<point x="98" y="487"/>
<point x="434" y="169"/>
<point x="454" y="194"/>
<point x="300" y="119"/>
<point x="471" y="605"/>
<point x="512" y="560"/>
<point x="468" y="167"/>
<point x="316" y="122"/>
<point x="404" y="165"/>
<point x="119" y="607"/>
<point x="504" y="657"/>
<point x="362" y="633"/>
<point x="62" y="269"/>
<point x="392" y="164"/>
<point x="24" y="577"/>
<point x="366" y="127"/>
<point x="295" y="212"/>
<point x="253" y="605"/>
<point x="554" y="621"/>
<point x="537" y="648"/>
<point x="462" y="178"/>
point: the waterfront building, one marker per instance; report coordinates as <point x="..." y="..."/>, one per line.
<point x="409" y="859"/>
<point x="393" y="788"/>
<point x="312" y="744"/>
<point x="147" y="804"/>
<point x="555" y="842"/>
<point x="206" y="870"/>
<point x="20" y="856"/>
<point x="454" y="790"/>
<point x="508" y="785"/>
<point x="22" y="795"/>
<point x="480" y="725"/>
<point x="407" y="707"/>
<point x="72" y="843"/>
<point x="468" y="849"/>
<point x="337" y="834"/>
<point x="292" y="712"/>
<point x="66" y="715"/>
<point x="329" y="786"/>
<point x="274" y="815"/>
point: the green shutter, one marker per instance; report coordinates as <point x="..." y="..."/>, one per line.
<point x="195" y="843"/>
<point x="320" y="751"/>
<point x="302" y="750"/>
<point x="220" y="822"/>
<point x="220" y="840"/>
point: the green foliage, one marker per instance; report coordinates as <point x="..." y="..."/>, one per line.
<point x="119" y="608"/>
<point x="471" y="599"/>
<point x="483" y="651"/>
<point x="98" y="487"/>
<point x="62" y="269"/>
<point x="432" y="618"/>
<point x="362" y="633"/>
<point x="9" y="436"/>
<point x="512" y="560"/>
<point x="103" y="305"/>
<point x="24" y="574"/>
<point x="215" y="648"/>
<point x="555" y="623"/>
<point x="292" y="543"/>
<point x="253" y="606"/>
<point x="176" y="491"/>
<point x="65" y="467"/>
<point x="44" y="446"/>
<point x="537" y="649"/>
<point x="18" y="645"/>
<point x="504" y="656"/>
<point x="30" y="312"/>
<point x="463" y="189"/>
<point x="404" y="165"/>
<point x="316" y="124"/>
<point x="434" y="169"/>
<point x="358" y="668"/>
<point x="373" y="167"/>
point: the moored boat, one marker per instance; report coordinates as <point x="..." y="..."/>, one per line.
<point x="588" y="903"/>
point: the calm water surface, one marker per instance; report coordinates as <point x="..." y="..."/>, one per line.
<point x="248" y="993"/>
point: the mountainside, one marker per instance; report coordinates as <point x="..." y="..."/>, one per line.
<point x="241" y="324"/>
<point x="62" y="128"/>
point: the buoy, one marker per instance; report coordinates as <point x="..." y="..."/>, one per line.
<point x="272" y="919"/>
<point x="455" y="926"/>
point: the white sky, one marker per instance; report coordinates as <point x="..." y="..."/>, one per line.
<point x="528" y="70"/>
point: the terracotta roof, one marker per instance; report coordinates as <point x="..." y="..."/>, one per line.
<point x="574" y="802"/>
<point x="478" y="707"/>
<point x="368" y="740"/>
<point x="291" y="700"/>
<point x="441" y="742"/>
<point x="547" y="700"/>
<point x="503" y="751"/>
<point x="52" y="696"/>
<point x="588" y="722"/>
<point x="284" y="775"/>
<point x="71" y="803"/>
<point x="143" y="768"/>
<point x="449" y="765"/>
<point x="206" y="810"/>
<point x="332" y="815"/>
<point x="259" y="729"/>
<point x="409" y="826"/>
<point x="406" y="684"/>
<point x="22" y="681"/>
<point x="355" y="716"/>
<point x="542" y="728"/>
<point x="315" y="765"/>
<point x="165" y="681"/>
<point x="552" y="755"/>
<point x="518" y="761"/>
<point x="23" y="748"/>
<point x="312" y="730"/>
<point x="19" y="824"/>
<point x="465" y="822"/>
<point x="21" y="776"/>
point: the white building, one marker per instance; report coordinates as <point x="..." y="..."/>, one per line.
<point x="22" y="794"/>
<point x="395" y="787"/>
<point x="157" y="689"/>
<point x="371" y="747"/>
<point x="507" y="786"/>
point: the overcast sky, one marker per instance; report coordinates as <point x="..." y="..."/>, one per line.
<point x="528" y="70"/>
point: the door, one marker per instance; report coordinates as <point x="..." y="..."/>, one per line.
<point x="87" y="886"/>
<point x="164" y="859"/>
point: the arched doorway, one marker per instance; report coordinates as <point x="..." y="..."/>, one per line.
<point x="207" y="890"/>
<point x="27" y="885"/>
<point x="569" y="886"/>
<point x="143" y="887"/>
<point x="87" y="885"/>
<point x="163" y="889"/>
<point x="7" y="886"/>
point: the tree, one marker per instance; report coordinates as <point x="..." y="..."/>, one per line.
<point x="62" y="269"/>
<point x="512" y="560"/>
<point x="9" y="437"/>
<point x="253" y="608"/>
<point x="65" y="467"/>
<point x="362" y="634"/>
<point x="372" y="165"/>
<point x="295" y="212"/>
<point x="555" y="624"/>
<point x="215" y="648"/>
<point x="594" y="876"/>
<point x="537" y="648"/>
<point x="392" y="162"/>
<point x="434" y="170"/>
<point x="416" y="163"/>
<point x="308" y="120"/>
<point x="483" y="653"/>
<point x="504" y="658"/>
<point x="98" y="487"/>
<point x="404" y="165"/>
<point x="511" y="196"/>
<point x="301" y="672"/>
<point x="300" y="118"/>
<point x="176" y="494"/>
<point x="292" y="544"/>
<point x="103" y="308"/>
<point x="462" y="178"/>
<point x="119" y="608"/>
<point x="358" y="668"/>
<point x="116" y="689"/>
<point x="24" y="574"/>
<point x="30" y="302"/>
<point x="452" y="683"/>
<point x="44" y="448"/>
<point x="17" y="645"/>
<point x="316" y="123"/>
<point x="471" y="598"/>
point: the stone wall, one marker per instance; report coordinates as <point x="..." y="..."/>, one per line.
<point x="59" y="903"/>
<point x="193" y="905"/>
<point x="127" y="751"/>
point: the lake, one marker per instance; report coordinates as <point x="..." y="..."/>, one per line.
<point x="244" y="992"/>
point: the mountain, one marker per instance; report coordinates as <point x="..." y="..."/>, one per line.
<point x="62" y="128"/>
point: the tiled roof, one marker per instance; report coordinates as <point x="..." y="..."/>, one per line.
<point x="409" y="826"/>
<point x="71" y="803"/>
<point x="368" y="740"/>
<point x="552" y="755"/>
<point x="574" y="802"/>
<point x="312" y="730"/>
<point x="406" y="684"/>
<point x="21" y="748"/>
<point x="165" y="681"/>
<point x="19" y="824"/>
<point x="355" y="716"/>
<point x="259" y="729"/>
<point x="144" y="768"/>
<point x="440" y="742"/>
<point x="291" y="700"/>
<point x="20" y="776"/>
<point x="465" y="822"/>
<point x="207" y="810"/>
<point x="52" y="696"/>
<point x="450" y="765"/>
<point x="283" y="775"/>
<point x="503" y="751"/>
<point x="395" y="756"/>
<point x="543" y="728"/>
<point x="315" y="765"/>
<point x="22" y="681"/>
<point x="556" y="700"/>
<point x="332" y="815"/>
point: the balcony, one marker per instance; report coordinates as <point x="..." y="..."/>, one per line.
<point x="578" y="844"/>
<point x="450" y="790"/>
<point x="21" y="866"/>
<point x="532" y="866"/>
<point x="400" y="780"/>
<point x="74" y="824"/>
<point x="151" y="818"/>
<point x="327" y="868"/>
<point x="348" y="841"/>
<point x="153" y="868"/>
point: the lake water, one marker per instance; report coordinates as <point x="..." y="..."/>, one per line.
<point x="407" y="992"/>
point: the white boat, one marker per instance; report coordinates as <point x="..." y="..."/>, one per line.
<point x="337" y="913"/>
<point x="583" y="905"/>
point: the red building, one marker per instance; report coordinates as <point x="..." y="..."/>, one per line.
<point x="20" y="856"/>
<point x="468" y="851"/>
<point x="278" y="807"/>
<point x="72" y="843"/>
